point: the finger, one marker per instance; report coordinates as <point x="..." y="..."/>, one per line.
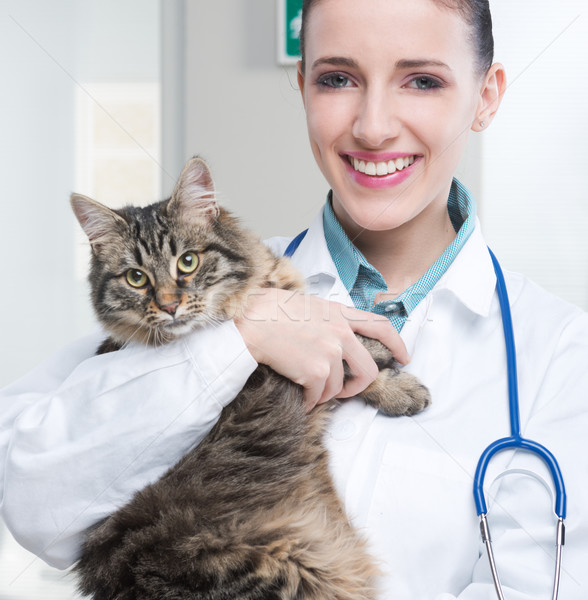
<point x="334" y="383"/>
<point x="312" y="395"/>
<point x="328" y="382"/>
<point x="379" y="328"/>
<point x="363" y="369"/>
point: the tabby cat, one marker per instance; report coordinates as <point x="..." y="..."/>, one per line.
<point x="251" y="513"/>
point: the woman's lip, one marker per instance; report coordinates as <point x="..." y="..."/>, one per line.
<point x="380" y="181"/>
<point x="380" y="157"/>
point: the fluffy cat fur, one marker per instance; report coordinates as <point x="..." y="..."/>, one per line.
<point x="251" y="513"/>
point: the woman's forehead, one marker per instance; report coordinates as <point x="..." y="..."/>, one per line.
<point x="386" y="28"/>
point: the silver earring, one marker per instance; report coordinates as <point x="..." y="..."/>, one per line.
<point x="482" y="123"/>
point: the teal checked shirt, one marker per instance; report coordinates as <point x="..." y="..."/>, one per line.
<point x="364" y="282"/>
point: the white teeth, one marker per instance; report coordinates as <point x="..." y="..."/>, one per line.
<point x="381" y="168"/>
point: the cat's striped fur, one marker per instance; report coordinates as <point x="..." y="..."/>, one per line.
<point x="251" y="513"/>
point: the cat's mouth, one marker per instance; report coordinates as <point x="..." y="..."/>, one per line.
<point x="177" y="327"/>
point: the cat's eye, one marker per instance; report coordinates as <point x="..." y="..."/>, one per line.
<point x="188" y="263"/>
<point x="136" y="278"/>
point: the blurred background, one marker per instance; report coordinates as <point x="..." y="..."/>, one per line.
<point x="110" y="97"/>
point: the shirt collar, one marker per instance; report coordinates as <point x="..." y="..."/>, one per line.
<point x="470" y="278"/>
<point x="346" y="257"/>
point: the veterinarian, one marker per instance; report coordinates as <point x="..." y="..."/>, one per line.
<point x="392" y="89"/>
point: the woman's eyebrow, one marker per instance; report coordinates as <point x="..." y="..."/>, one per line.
<point x="337" y="61"/>
<point x="407" y="63"/>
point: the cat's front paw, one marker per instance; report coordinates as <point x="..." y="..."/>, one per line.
<point x="397" y="393"/>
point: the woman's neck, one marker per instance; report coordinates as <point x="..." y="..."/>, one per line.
<point x="404" y="254"/>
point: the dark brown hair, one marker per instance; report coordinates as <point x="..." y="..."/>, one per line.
<point x="476" y="14"/>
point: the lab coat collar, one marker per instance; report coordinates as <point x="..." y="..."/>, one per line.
<point x="470" y="277"/>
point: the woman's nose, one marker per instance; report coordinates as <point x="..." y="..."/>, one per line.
<point x="377" y="120"/>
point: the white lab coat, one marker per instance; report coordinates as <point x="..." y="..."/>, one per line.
<point x="81" y="433"/>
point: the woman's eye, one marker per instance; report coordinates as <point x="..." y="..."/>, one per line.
<point x="335" y="80"/>
<point x="188" y="263"/>
<point x="424" y="83"/>
<point x="136" y="278"/>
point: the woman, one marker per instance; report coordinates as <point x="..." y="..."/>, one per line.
<point x="391" y="90"/>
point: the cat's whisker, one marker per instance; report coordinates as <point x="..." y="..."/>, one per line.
<point x="211" y="320"/>
<point x="142" y="326"/>
<point x="159" y="338"/>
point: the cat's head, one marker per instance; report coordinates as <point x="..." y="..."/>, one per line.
<point x="160" y="271"/>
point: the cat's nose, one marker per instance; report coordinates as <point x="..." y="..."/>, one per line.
<point x="171" y="307"/>
<point x="168" y="300"/>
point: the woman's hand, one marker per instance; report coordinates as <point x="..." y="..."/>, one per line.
<point x="306" y="339"/>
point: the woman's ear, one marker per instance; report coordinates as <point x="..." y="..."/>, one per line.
<point x="300" y="78"/>
<point x="491" y="93"/>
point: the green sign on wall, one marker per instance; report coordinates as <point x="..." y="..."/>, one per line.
<point x="289" y="20"/>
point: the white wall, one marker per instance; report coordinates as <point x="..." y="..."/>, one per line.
<point x="48" y="50"/>
<point x="36" y="170"/>
<point x="535" y="155"/>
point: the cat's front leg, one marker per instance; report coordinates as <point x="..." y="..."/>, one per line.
<point x="108" y="345"/>
<point x="394" y="392"/>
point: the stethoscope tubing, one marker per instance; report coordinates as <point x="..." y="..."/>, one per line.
<point x="515" y="441"/>
<point x="519" y="443"/>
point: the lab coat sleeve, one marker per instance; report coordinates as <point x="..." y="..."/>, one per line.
<point x="520" y="507"/>
<point x="82" y="433"/>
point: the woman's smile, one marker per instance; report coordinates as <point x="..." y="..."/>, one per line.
<point x="379" y="171"/>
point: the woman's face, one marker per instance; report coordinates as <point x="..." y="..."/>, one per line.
<point x="391" y="92"/>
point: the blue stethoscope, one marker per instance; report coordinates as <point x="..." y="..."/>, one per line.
<point x="513" y="442"/>
<point x="516" y="442"/>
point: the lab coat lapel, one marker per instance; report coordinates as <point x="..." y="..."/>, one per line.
<point x="471" y="277"/>
<point x="314" y="260"/>
<point x="470" y="280"/>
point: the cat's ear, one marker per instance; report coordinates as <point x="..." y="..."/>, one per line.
<point x="194" y="194"/>
<point x="98" y="221"/>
